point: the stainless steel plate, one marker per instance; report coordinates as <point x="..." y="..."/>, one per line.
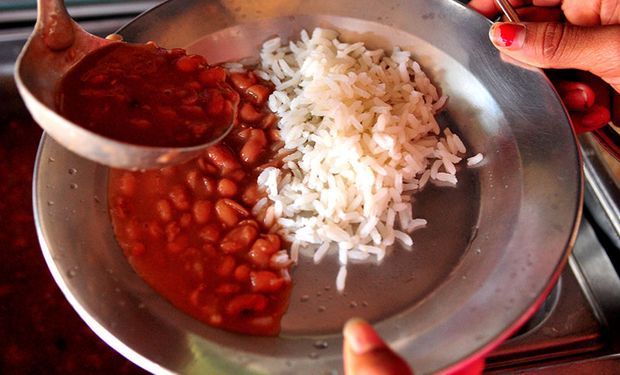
<point x="493" y="247"/>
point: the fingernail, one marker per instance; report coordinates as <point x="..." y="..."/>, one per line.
<point x="597" y="117"/>
<point x="507" y="35"/>
<point x="361" y="336"/>
<point x="575" y="99"/>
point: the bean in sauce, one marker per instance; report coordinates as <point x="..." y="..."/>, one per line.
<point x="189" y="231"/>
<point x="146" y="95"/>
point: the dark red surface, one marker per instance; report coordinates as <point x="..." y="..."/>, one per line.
<point x="39" y="331"/>
<point x="149" y="96"/>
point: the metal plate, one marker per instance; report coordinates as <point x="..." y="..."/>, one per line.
<point x="492" y="250"/>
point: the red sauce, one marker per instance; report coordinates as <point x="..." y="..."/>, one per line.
<point x="146" y="95"/>
<point x="189" y="232"/>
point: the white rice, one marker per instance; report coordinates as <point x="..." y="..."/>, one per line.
<point x="474" y="160"/>
<point x="361" y="128"/>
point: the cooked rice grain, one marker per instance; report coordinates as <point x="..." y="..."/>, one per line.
<point x="361" y="128"/>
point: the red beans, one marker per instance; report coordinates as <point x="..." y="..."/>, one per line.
<point x="227" y="188"/>
<point x="263" y="248"/>
<point x="194" y="111"/>
<point x="242" y="273"/>
<point x="155" y="230"/>
<point x="274" y="135"/>
<point x="210" y="233"/>
<point x="200" y="297"/>
<point x="202" y="211"/>
<point x="223" y="158"/>
<point x="258" y="94"/>
<point x="195" y="219"/>
<point x="236" y="206"/>
<point x="133" y="230"/>
<point x="197" y="269"/>
<point x="179" y="197"/>
<point x="212" y="76"/>
<point x="193" y="179"/>
<point x="120" y="207"/>
<point x="251" y="195"/>
<point x="227" y="289"/>
<point x="190" y="63"/>
<point x="137" y="249"/>
<point x="226" y="267"/>
<point x="246" y="303"/>
<point x="210" y="185"/>
<point x="259" y="258"/>
<point x="248" y="113"/>
<point x="239" y="239"/>
<point x="265" y="281"/>
<point x="229" y="212"/>
<point x="242" y="81"/>
<point x="128" y="184"/>
<point x="254" y="147"/>
<point x="207" y="167"/>
<point x="226" y="214"/>
<point x="251" y="222"/>
<point x="185" y="220"/>
<point x="164" y="209"/>
<point x="169" y="171"/>
<point x="210" y="251"/>
<point x="275" y="241"/>
<point x="237" y="175"/>
<point x="269" y="122"/>
<point x="172" y="231"/>
<point x="179" y="244"/>
<point x="148" y="96"/>
<point x="97" y="79"/>
<point x="190" y="98"/>
<point x="216" y="102"/>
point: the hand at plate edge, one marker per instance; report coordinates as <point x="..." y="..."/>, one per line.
<point x="365" y="353"/>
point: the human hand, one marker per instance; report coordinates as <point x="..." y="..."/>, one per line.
<point x="589" y="41"/>
<point x="365" y="353"/>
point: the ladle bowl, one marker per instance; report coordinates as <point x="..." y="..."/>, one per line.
<point x="57" y="44"/>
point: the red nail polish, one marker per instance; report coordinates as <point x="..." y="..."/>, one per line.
<point x="595" y="118"/>
<point x="575" y="100"/>
<point x="507" y="35"/>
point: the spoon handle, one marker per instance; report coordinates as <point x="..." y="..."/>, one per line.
<point x="48" y="8"/>
<point x="509" y="11"/>
<point x="54" y="22"/>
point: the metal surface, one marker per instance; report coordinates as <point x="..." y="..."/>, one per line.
<point x="58" y="43"/>
<point x="609" y="138"/>
<point x="492" y="250"/>
<point x="604" y="189"/>
<point x="577" y="330"/>
<point x="564" y="326"/>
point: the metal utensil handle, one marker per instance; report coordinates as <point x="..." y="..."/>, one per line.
<point x="52" y="10"/>
<point x="508" y="10"/>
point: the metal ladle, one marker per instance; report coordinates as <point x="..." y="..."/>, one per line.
<point x="56" y="44"/>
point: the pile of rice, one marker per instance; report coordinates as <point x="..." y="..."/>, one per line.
<point x="360" y="131"/>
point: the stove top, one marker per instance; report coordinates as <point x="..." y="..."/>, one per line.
<point x="577" y="329"/>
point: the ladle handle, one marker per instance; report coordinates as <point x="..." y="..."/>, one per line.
<point x="54" y="22"/>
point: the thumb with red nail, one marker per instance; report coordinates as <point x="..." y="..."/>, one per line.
<point x="577" y="40"/>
